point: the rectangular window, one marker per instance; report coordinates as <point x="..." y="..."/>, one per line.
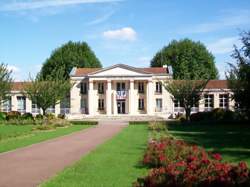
<point x="100" y="104"/>
<point x="141" y="104"/>
<point x="84" y="106"/>
<point x="83" y="88"/>
<point x="51" y="109"/>
<point x="34" y="108"/>
<point x="141" y="87"/>
<point x="158" y="88"/>
<point x="209" y="102"/>
<point x="158" y="105"/>
<point x="224" y="101"/>
<point x="100" y="88"/>
<point x="21" y="104"/>
<point x="6" y="107"/>
<point x="120" y="86"/>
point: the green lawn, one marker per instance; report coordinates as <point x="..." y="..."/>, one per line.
<point x="232" y="141"/>
<point x="114" y="163"/>
<point x="13" y="136"/>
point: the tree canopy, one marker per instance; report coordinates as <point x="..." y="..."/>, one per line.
<point x="239" y="74"/>
<point x="47" y="92"/>
<point x="190" y="60"/>
<point x="69" y="55"/>
<point x="5" y="82"/>
<point x="187" y="92"/>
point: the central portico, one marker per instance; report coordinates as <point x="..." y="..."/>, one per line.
<point x="117" y="90"/>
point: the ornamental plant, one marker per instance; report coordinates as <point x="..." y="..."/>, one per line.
<point x="176" y="163"/>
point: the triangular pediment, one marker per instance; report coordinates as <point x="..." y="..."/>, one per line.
<point x="119" y="70"/>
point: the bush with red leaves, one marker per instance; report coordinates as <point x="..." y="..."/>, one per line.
<point x="176" y="163"/>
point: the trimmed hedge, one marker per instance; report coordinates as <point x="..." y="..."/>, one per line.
<point x="217" y="115"/>
<point x="84" y="122"/>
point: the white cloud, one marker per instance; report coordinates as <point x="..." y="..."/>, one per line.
<point x="124" y="34"/>
<point x="39" y="4"/>
<point x="224" y="45"/>
<point x="13" y="68"/>
<point x="234" y="19"/>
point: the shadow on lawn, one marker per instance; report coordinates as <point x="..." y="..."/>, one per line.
<point x="232" y="141"/>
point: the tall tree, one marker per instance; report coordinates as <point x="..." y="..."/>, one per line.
<point x="239" y="74"/>
<point x="5" y="82"/>
<point x="187" y="92"/>
<point x="69" y="55"/>
<point x="190" y="60"/>
<point x="47" y="92"/>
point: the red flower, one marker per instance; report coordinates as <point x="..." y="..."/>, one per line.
<point x="243" y="165"/>
<point x="217" y="156"/>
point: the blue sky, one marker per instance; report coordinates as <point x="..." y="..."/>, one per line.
<point x="118" y="31"/>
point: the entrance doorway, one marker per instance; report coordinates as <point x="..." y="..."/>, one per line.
<point x="121" y="106"/>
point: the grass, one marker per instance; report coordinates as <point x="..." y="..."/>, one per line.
<point x="232" y="141"/>
<point x="17" y="136"/>
<point x="114" y="163"/>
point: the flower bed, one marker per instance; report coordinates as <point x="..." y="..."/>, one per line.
<point x="177" y="163"/>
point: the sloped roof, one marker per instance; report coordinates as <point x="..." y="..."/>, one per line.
<point x="18" y="86"/>
<point x="217" y="84"/>
<point x="152" y="70"/>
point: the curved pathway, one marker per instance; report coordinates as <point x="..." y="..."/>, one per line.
<point x="31" y="165"/>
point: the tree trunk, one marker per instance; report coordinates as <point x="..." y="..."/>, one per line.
<point x="188" y="113"/>
<point x="44" y="111"/>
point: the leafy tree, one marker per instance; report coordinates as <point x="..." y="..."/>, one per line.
<point x="69" y="55"/>
<point x="47" y="92"/>
<point x="190" y="60"/>
<point x="187" y="92"/>
<point x="239" y="74"/>
<point x="5" y="82"/>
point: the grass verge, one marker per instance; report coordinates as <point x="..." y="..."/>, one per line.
<point x="232" y="141"/>
<point x="114" y="163"/>
<point x="13" y="136"/>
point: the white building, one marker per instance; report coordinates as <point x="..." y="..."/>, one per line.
<point x="120" y="90"/>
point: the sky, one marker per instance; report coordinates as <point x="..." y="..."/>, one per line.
<point x="118" y="31"/>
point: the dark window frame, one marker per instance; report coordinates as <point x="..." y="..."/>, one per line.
<point x="141" y="104"/>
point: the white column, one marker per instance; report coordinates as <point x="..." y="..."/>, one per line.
<point x="108" y="98"/>
<point x="114" y="102"/>
<point x="75" y="98"/>
<point x="13" y="103"/>
<point x="216" y="100"/>
<point x="150" y="100"/>
<point x="90" y="98"/>
<point x="131" y="97"/>
<point x="28" y="105"/>
<point x="57" y="109"/>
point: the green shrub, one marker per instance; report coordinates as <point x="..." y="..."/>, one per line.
<point x="13" y="115"/>
<point x="50" y="116"/>
<point x="39" y="116"/>
<point x="2" y="116"/>
<point x="157" y="126"/>
<point x="59" y="122"/>
<point x="61" y="116"/>
<point x="44" y="127"/>
<point x="84" y="122"/>
<point x="138" y="122"/>
<point x="216" y="115"/>
<point x="27" y="116"/>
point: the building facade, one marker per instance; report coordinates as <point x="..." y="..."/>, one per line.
<point x="122" y="90"/>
